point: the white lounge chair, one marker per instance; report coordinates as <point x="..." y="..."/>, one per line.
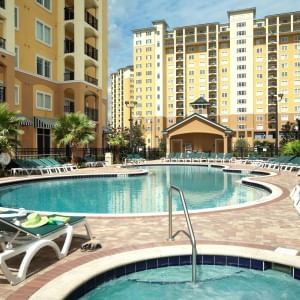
<point x="295" y="197"/>
<point x="15" y="240"/>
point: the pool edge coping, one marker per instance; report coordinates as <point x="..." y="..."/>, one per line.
<point x="64" y="284"/>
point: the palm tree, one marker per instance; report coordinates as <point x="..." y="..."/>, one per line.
<point x="117" y="139"/>
<point x="74" y="129"/>
<point x="9" y="130"/>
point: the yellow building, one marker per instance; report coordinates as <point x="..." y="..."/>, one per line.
<point x="121" y="97"/>
<point x="239" y="67"/>
<point x="53" y="60"/>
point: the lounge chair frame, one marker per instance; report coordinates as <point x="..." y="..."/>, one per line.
<point x="24" y="241"/>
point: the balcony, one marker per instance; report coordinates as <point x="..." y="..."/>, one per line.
<point x="2" y="4"/>
<point x="91" y="20"/>
<point x="91" y="113"/>
<point x="2" y="43"/>
<point x="91" y="51"/>
<point x="69" y="76"/>
<point x="2" y="93"/>
<point x="69" y="46"/>
<point x="69" y="13"/>
<point x="90" y="79"/>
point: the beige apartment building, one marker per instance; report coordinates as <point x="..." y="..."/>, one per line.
<point x="53" y="60"/>
<point x="122" y="96"/>
<point x="239" y="67"/>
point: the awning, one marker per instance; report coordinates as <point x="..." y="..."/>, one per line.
<point x="25" y="121"/>
<point x="41" y="122"/>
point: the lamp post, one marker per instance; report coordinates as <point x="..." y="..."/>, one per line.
<point x="130" y="105"/>
<point x="277" y="122"/>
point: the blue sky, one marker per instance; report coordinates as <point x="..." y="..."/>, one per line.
<point x="126" y="15"/>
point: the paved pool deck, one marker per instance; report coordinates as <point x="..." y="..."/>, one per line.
<point x="265" y="226"/>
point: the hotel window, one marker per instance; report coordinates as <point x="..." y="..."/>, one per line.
<point x="297" y="82"/>
<point x="43" y="101"/>
<point x="259" y="50"/>
<point x="284" y="39"/>
<point x="283" y="56"/>
<point x="138" y="58"/>
<point x="17" y="95"/>
<point x="241" y="93"/>
<point x="297" y="46"/>
<point x="284" y="117"/>
<point x="259" y="76"/>
<point x="45" y="3"/>
<point x="17" y="57"/>
<point x="224" y="95"/>
<point x="241" y="24"/>
<point x="284" y="66"/>
<point x="240" y="42"/>
<point x="297" y="91"/>
<point x="190" y="57"/>
<point x="148" y="33"/>
<point x="148" y="57"/>
<point x="148" y="73"/>
<point x="241" y="118"/>
<point x="138" y="66"/>
<point x="259" y="118"/>
<point x="241" y="101"/>
<point x="16" y="18"/>
<point x="241" y="75"/>
<point x="297" y="64"/>
<point x="43" y="67"/>
<point x="148" y="80"/>
<point x="148" y="41"/>
<point x="138" y="43"/>
<point x="284" y="74"/>
<point x="284" y="48"/>
<point x="243" y="32"/>
<point x="148" y="65"/>
<point x="284" y="109"/>
<point x="241" y="126"/>
<point x="43" y="33"/>
<point x="138" y="50"/>
<point x="241" y="84"/>
<point x="297" y="108"/>
<point x="241" y="50"/>
<point x="297" y="73"/>
<point x="139" y="34"/>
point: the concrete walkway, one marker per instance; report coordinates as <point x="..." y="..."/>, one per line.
<point x="265" y="226"/>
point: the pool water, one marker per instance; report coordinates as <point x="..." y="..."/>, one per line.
<point x="214" y="282"/>
<point x="203" y="187"/>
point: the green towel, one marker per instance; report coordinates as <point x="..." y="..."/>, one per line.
<point x="58" y="220"/>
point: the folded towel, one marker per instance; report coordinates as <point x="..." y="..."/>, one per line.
<point x="58" y="220"/>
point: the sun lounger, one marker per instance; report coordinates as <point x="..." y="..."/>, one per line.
<point x="295" y="197"/>
<point x="15" y="240"/>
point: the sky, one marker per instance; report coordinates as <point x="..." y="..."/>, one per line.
<point x="126" y="15"/>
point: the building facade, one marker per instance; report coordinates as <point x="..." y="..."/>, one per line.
<point x="53" y="60"/>
<point x="122" y="93"/>
<point x="243" y="68"/>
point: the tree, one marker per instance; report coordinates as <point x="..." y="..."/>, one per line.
<point x="290" y="132"/>
<point x="137" y="137"/>
<point x="292" y="148"/>
<point x="75" y="130"/>
<point x="118" y="139"/>
<point x="241" y="147"/>
<point x="9" y="130"/>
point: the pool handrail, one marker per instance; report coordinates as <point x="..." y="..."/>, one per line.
<point x="189" y="234"/>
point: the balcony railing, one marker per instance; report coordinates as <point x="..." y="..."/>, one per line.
<point x="91" y="51"/>
<point x="69" y="76"/>
<point x="69" y="46"/>
<point x="2" y="94"/>
<point x="91" y="79"/>
<point x="69" y="13"/>
<point x="2" y="4"/>
<point x="91" y="113"/>
<point x="2" y="43"/>
<point x="91" y="20"/>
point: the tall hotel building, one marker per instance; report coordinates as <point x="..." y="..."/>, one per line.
<point x="53" y="60"/>
<point x="240" y="68"/>
<point x="122" y="90"/>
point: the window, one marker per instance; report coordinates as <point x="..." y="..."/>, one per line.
<point x="259" y="76"/>
<point x="241" y="101"/>
<point x="191" y="57"/>
<point x="148" y="41"/>
<point x="284" y="74"/>
<point x="297" y="46"/>
<point x="241" y="50"/>
<point x="240" y="42"/>
<point x="284" y="39"/>
<point x="45" y="3"/>
<point x="284" y="47"/>
<point x="241" y="58"/>
<point x="138" y="43"/>
<point x="243" y="32"/>
<point x="241" y="93"/>
<point x="259" y="50"/>
<point x="148" y="65"/>
<point x="43" y="101"/>
<point x="148" y="33"/>
<point x="241" y="75"/>
<point x="43" y="33"/>
<point x="241" y="24"/>
<point x="16" y="18"/>
<point x="241" y="84"/>
<point x="242" y="118"/>
<point x="17" y="95"/>
<point x="259" y="118"/>
<point x="17" y="57"/>
<point x="43" y="67"/>
<point x="297" y="64"/>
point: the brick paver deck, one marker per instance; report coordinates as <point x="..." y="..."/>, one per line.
<point x="266" y="226"/>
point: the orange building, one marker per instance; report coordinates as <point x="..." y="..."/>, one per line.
<point x="53" y="60"/>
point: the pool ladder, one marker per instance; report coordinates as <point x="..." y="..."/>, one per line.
<point x="189" y="234"/>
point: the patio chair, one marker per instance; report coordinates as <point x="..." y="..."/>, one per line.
<point x="16" y="240"/>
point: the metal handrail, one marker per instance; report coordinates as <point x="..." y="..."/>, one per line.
<point x="189" y="234"/>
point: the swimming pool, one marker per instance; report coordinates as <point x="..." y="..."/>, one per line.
<point x="215" y="282"/>
<point x="203" y="188"/>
